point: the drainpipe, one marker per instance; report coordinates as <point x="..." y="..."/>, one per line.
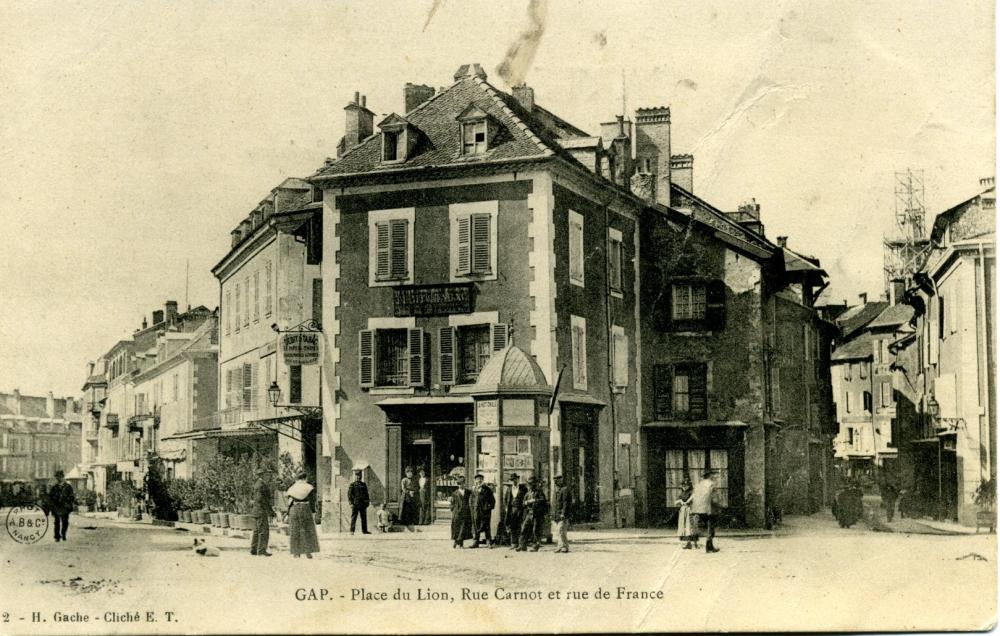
<point x="610" y="370"/>
<point x="982" y="336"/>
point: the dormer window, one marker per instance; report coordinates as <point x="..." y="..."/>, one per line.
<point x="474" y="137"/>
<point x="399" y="138"/>
<point x="475" y="130"/>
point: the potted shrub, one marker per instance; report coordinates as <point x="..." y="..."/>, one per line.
<point x="986" y="499"/>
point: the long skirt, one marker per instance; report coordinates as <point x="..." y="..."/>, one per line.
<point x="409" y="514"/>
<point x="685" y="524"/>
<point x="302" y="537"/>
<point x="461" y="527"/>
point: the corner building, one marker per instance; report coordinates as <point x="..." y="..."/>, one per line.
<point x="456" y="232"/>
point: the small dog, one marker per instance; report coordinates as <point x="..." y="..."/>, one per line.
<point x="203" y="549"/>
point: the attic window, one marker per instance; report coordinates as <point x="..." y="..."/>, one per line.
<point x="474" y="137"/>
<point x="390" y="146"/>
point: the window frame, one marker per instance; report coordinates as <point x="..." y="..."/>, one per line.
<point x="577" y="258"/>
<point x="620" y="358"/>
<point x="578" y="348"/>
<point x="698" y="370"/>
<point x="375" y="218"/>
<point x="478" y="147"/>
<point x="471" y="210"/>
<point x="616" y="262"/>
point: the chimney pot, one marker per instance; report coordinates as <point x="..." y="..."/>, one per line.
<point x="782" y="241"/>
<point x="364" y="101"/>
<point x="863" y="297"/>
<point x="357" y="97"/>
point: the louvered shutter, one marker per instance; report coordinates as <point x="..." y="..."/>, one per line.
<point x="498" y="336"/>
<point x="381" y="251"/>
<point x="253" y="385"/>
<point x="715" y="305"/>
<point x="247" y="385"/>
<point x="398" y="252"/>
<point x="415" y="348"/>
<point x="481" y="243"/>
<point x="698" y="391"/>
<point x="464" y="237"/>
<point x="665" y="309"/>
<point x="446" y="355"/>
<point x="366" y="358"/>
<point x="663" y="394"/>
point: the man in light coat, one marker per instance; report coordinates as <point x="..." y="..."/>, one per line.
<point x="701" y="508"/>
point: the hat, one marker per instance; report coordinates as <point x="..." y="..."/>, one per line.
<point x="479" y="476"/>
<point x="514" y="477"/>
<point x="60" y="473"/>
<point x="558" y="477"/>
<point x="358" y="471"/>
<point x="707" y="473"/>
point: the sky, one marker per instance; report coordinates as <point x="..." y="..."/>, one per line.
<point x="135" y="135"/>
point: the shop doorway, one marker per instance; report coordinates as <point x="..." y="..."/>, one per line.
<point x="579" y="441"/>
<point x="440" y="450"/>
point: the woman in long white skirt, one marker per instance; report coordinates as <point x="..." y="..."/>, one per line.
<point x="685" y="522"/>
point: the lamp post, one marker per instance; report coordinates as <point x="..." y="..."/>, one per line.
<point x="274" y="395"/>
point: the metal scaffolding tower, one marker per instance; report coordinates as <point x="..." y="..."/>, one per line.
<point x="906" y="249"/>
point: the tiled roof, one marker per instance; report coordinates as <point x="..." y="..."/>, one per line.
<point x="892" y="316"/>
<point x="795" y="262"/>
<point x="857" y="317"/>
<point x="854" y="349"/>
<point x="440" y="143"/>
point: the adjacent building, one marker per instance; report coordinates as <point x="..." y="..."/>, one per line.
<point x="946" y="360"/>
<point x="271" y="292"/>
<point x="126" y="390"/>
<point x="38" y="436"/>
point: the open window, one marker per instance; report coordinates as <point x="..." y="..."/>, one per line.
<point x="463" y="351"/>
<point x="476" y="129"/>
<point x="398" y="139"/>
<point x="391" y="358"/>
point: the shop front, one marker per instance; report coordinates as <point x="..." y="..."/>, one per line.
<point x="683" y="452"/>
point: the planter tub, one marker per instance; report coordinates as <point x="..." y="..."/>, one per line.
<point x="224" y="519"/>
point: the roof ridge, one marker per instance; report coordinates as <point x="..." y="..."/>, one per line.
<point x="493" y="92"/>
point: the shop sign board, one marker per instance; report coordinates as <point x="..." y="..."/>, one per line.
<point x="300" y="348"/>
<point x="432" y="300"/>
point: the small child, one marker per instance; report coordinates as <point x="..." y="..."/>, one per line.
<point x="384" y="519"/>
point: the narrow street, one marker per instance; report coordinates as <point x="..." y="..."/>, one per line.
<point x="811" y="571"/>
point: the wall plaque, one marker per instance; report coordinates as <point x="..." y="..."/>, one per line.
<point x="432" y="300"/>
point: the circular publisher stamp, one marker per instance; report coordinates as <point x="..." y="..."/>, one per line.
<point x="27" y="524"/>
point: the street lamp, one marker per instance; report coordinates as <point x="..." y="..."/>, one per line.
<point x="933" y="408"/>
<point x="274" y="395"/>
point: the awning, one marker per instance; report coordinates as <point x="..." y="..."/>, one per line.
<point x="695" y="424"/>
<point x="424" y="401"/>
<point x="579" y="398"/>
<point x="177" y="455"/>
<point x="216" y="432"/>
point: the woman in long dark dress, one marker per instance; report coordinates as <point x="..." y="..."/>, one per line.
<point x="410" y="512"/>
<point x="302" y="537"/>
<point x="461" y="515"/>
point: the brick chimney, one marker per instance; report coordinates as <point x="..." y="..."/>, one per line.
<point x="170" y="308"/>
<point x="652" y="147"/>
<point x="682" y="171"/>
<point x="863" y="298"/>
<point x="470" y="70"/>
<point x="157" y="317"/>
<point x="416" y="94"/>
<point x="358" y="123"/>
<point x="237" y="235"/>
<point x="617" y="138"/>
<point x="70" y="405"/>
<point x="50" y="405"/>
<point x="525" y="96"/>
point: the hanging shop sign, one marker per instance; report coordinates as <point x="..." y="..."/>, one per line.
<point x="432" y="300"/>
<point x="300" y="348"/>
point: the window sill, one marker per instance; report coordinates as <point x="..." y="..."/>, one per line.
<point x="577" y="283"/>
<point x="616" y="293"/>
<point x="394" y="282"/>
<point x="392" y="390"/>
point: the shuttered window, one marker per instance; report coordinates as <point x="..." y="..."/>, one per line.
<point x="391" y="357"/>
<point x="681" y="391"/>
<point x="475" y="350"/>
<point x="615" y="260"/>
<point x="317" y="300"/>
<point x="249" y="377"/>
<point x="256" y="296"/>
<point x="237" y="307"/>
<point x="295" y="384"/>
<point x="446" y="355"/>
<point x="579" y="350"/>
<point x="576" y="266"/>
<point x="392" y="256"/>
<point x="698" y="305"/>
<point x="620" y="353"/>
<point x="474" y="244"/>
<point x="246" y="302"/>
<point x="267" y="288"/>
<point x="228" y="309"/>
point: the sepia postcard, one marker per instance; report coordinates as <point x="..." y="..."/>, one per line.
<point x="429" y="316"/>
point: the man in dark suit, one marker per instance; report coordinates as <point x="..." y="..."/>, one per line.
<point x="560" y="513"/>
<point x="461" y="515"/>
<point x="263" y="510"/>
<point x="357" y="496"/>
<point x="535" y="506"/>
<point x="515" y="510"/>
<point x="482" y="503"/>
<point x="61" y="502"/>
